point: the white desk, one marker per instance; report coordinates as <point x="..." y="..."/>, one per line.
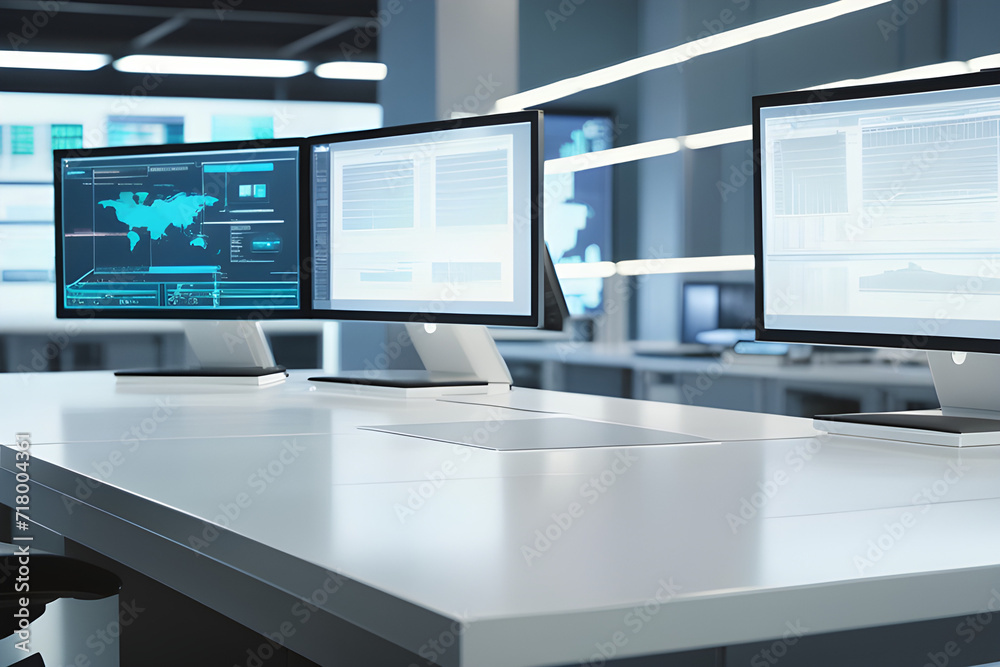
<point x="152" y="477"/>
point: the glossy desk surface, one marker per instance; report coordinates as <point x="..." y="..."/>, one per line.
<point x="537" y="555"/>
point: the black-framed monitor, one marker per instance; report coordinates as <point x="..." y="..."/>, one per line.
<point x="434" y="224"/>
<point x="877" y="216"/>
<point x="206" y="233"/>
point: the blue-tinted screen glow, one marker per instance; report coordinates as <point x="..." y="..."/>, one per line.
<point x="578" y="205"/>
<point x="186" y="230"/>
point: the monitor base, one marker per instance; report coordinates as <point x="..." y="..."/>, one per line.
<point x="967" y="386"/>
<point x="922" y="427"/>
<point x="248" y="376"/>
<point x="407" y="384"/>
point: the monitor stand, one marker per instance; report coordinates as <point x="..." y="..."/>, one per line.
<point x="228" y="352"/>
<point x="458" y="358"/>
<point x="968" y="388"/>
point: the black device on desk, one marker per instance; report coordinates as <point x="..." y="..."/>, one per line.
<point x="876" y="215"/>
<point x="714" y="317"/>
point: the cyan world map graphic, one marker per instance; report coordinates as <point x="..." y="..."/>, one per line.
<point x="179" y="210"/>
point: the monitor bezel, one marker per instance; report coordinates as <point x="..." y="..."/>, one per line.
<point x="256" y="313"/>
<point x="863" y="339"/>
<point x="534" y="318"/>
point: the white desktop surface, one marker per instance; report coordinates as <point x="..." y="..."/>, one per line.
<point x="664" y="522"/>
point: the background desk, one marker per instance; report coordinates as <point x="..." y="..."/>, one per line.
<point x="253" y="501"/>
<point x="799" y="389"/>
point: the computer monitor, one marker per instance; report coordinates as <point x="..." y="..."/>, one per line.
<point x="717" y="313"/>
<point x="877" y="219"/>
<point x="433" y="224"/>
<point x="194" y="232"/>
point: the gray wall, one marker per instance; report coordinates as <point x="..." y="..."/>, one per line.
<point x="559" y="39"/>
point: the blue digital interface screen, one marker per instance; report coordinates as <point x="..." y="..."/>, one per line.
<point x="578" y="205"/>
<point x="199" y="230"/>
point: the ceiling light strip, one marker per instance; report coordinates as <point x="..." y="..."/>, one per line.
<point x="573" y="270"/>
<point x="201" y="66"/>
<point x="681" y="53"/>
<point x="642" y="267"/>
<point x="563" y="165"/>
<point x="731" y="135"/>
<point x="349" y="69"/>
<point x="79" y="62"/>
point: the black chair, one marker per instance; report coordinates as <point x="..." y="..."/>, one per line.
<point x="51" y="577"/>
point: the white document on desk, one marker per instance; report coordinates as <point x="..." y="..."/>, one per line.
<point x="542" y="433"/>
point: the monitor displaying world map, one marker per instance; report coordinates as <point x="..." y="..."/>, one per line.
<point x="183" y="230"/>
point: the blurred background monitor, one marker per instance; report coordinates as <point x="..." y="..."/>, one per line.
<point x="32" y="125"/>
<point x="578" y="205"/>
<point x="717" y="313"/>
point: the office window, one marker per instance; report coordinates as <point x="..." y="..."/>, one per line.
<point x="67" y="136"/>
<point x="22" y="140"/>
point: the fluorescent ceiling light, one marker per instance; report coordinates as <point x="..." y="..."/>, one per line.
<point x="346" y="69"/>
<point x="211" y="66"/>
<point x="745" y="132"/>
<point x="562" y="165"/>
<point x="718" y="137"/>
<point x="984" y="62"/>
<point x="642" y="267"/>
<point x="571" y="270"/>
<point x="82" y="62"/>
<point x="681" y="53"/>
<point x="923" y="72"/>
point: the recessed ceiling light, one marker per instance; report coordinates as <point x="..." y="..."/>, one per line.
<point x="347" y="69"/>
<point x="82" y="62"/>
<point x="145" y="64"/>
